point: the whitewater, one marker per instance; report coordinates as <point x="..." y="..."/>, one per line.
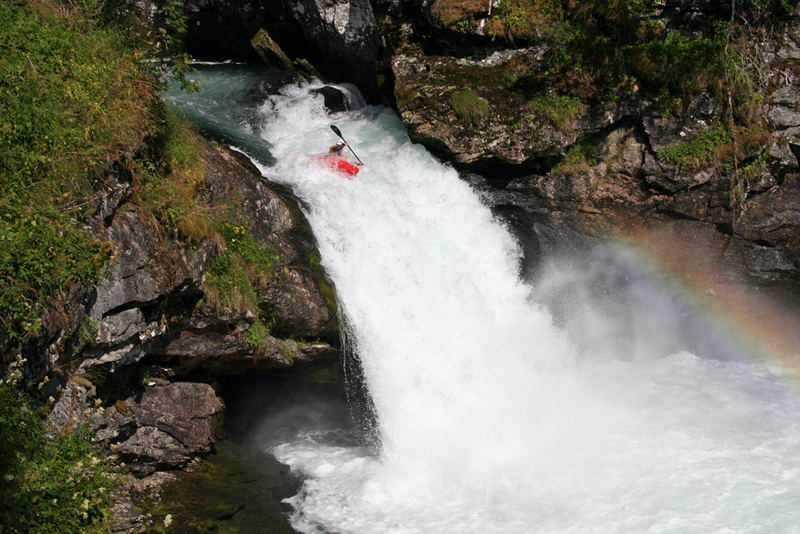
<point x="491" y="415"/>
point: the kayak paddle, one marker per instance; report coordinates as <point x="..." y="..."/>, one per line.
<point x="339" y="133"/>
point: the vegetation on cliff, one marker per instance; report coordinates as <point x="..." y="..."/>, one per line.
<point x="239" y="271"/>
<point x="78" y="103"/>
<point x="74" y="96"/>
<point x="79" y="92"/>
<point x="675" y="47"/>
<point x="59" y="484"/>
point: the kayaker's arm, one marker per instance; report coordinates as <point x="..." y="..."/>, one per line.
<point x="339" y="133"/>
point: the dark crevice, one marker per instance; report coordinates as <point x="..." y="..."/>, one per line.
<point x="675" y="216"/>
<point x="763" y="243"/>
<point x="795" y="148"/>
<point x="724" y="228"/>
<point x="652" y="187"/>
<point x="498" y="173"/>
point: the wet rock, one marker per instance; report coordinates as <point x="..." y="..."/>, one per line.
<point x="236" y="489"/>
<point x="303" y="65"/>
<point x="335" y="100"/>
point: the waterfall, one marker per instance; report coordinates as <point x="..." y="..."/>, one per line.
<point x="492" y="417"/>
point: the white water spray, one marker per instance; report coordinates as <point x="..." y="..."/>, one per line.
<point x="492" y="419"/>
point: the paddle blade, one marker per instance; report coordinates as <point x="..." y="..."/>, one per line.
<point x="336" y="131"/>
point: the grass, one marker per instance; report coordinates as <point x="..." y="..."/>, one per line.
<point x="699" y="152"/>
<point x="244" y="266"/>
<point x="60" y="485"/>
<point x="579" y="158"/>
<point x="168" y="179"/>
<point x="561" y="111"/>
<point x="468" y="106"/>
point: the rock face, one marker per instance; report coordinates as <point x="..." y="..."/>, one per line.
<point x="562" y="166"/>
<point x="468" y="110"/>
<point x="338" y="37"/>
<point x="136" y="355"/>
<point x="143" y="271"/>
<point x="344" y="36"/>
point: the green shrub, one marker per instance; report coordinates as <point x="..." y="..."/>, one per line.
<point x="624" y="44"/>
<point x="57" y="485"/>
<point x="468" y="106"/>
<point x="255" y="333"/>
<point x="681" y="63"/>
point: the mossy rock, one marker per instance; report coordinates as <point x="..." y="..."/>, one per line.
<point x="469" y="106"/>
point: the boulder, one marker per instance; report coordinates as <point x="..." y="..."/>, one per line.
<point x="165" y="428"/>
<point x="335" y="100"/>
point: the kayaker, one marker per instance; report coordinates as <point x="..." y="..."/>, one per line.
<point x="337" y="149"/>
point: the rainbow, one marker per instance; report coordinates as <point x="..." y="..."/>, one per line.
<point x="693" y="263"/>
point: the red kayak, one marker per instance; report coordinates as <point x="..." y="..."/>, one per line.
<point x="338" y="164"/>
